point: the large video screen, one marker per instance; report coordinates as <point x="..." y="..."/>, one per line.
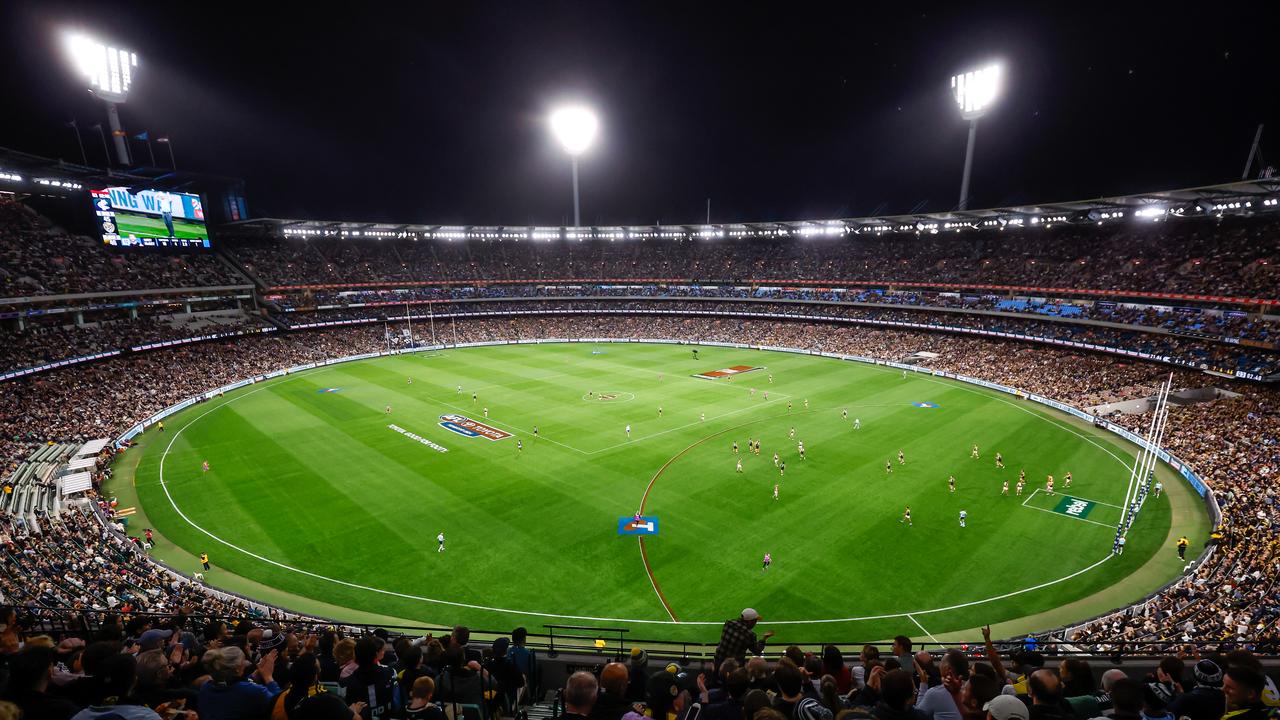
<point x="149" y="218"/>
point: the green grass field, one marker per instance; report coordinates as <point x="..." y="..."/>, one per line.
<point x="152" y="226"/>
<point x="314" y="503"/>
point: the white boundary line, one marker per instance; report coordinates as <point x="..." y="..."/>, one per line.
<point x="452" y="603"/>
<point x="926" y="632"/>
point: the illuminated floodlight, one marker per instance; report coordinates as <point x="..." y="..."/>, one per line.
<point x="108" y="70"/>
<point x="977" y="90"/>
<point x="575" y="128"/>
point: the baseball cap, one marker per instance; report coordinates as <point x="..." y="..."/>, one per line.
<point x="639" y="657"/>
<point x="271" y="639"/>
<point x="1007" y="707"/>
<point x="1208" y="673"/>
<point x="750" y="614"/>
<point x="1157" y="695"/>
<point x="152" y="639"/>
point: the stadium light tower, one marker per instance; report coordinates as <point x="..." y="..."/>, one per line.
<point x="109" y="71"/>
<point x="575" y="127"/>
<point x="975" y="92"/>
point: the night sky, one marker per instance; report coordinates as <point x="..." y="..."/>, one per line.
<point x="434" y="112"/>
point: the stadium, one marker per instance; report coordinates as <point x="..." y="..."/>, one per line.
<point x="1033" y="440"/>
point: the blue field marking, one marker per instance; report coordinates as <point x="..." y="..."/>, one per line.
<point x="648" y="525"/>
<point x="925" y="404"/>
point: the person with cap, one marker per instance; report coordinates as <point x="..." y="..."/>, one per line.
<point x="1205" y="700"/>
<point x="116" y="676"/>
<point x="1243" y="687"/>
<point x="579" y="696"/>
<point x="639" y="674"/>
<point x="1006" y="707"/>
<point x="738" y="638"/>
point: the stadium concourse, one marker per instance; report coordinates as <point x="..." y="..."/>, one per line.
<point x="1189" y="293"/>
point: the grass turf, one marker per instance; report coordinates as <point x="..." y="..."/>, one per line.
<point x="342" y="511"/>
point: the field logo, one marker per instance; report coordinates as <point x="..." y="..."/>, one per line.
<point x="726" y="372"/>
<point x="647" y="525"/>
<point x="925" y="404"/>
<point x="328" y="390"/>
<point x="1074" y="507"/>
<point x="467" y="427"/>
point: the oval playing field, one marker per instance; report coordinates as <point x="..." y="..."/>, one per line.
<point x="327" y="489"/>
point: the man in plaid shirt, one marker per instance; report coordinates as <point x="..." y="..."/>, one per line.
<point x="739" y="637"/>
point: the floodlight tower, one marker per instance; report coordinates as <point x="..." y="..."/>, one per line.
<point x="975" y="92"/>
<point x="109" y="71"/>
<point x="575" y="127"/>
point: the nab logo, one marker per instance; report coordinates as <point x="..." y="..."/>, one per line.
<point x="467" y="427"/>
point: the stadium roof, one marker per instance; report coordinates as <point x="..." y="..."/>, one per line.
<point x="1246" y="197"/>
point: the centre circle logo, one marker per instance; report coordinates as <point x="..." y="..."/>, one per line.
<point x="609" y="396"/>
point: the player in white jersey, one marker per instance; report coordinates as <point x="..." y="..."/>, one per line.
<point x="440" y="540"/>
<point x="974" y="453"/>
<point x="775" y="459"/>
<point x="800" y="449"/>
<point x="792" y="434"/>
<point x="1021" y="484"/>
<point x="628" y="431"/>
<point x="775" y="491"/>
<point x="1004" y="489"/>
<point x="770" y="378"/>
<point x="963" y="516"/>
<point x="999" y="461"/>
<point x="739" y="469"/>
<point x="857" y="424"/>
<point x="902" y="458"/>
<point x="486" y="413"/>
<point x="1048" y="485"/>
<point x="906" y="516"/>
<point x="1159" y="488"/>
<point x="806" y="403"/>
<point x="702" y="417"/>
<point x="459" y="389"/>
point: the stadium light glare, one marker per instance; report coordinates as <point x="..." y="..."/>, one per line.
<point x="975" y="92"/>
<point x="575" y="127"/>
<point x="109" y="72"/>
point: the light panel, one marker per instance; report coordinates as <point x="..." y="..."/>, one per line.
<point x="977" y="90"/>
<point x="109" y="70"/>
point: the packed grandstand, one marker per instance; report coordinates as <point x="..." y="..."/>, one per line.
<point x="87" y="330"/>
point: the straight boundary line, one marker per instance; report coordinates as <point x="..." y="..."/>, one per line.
<point x="926" y="632"/>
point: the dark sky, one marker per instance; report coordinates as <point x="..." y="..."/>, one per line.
<point x="434" y="111"/>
